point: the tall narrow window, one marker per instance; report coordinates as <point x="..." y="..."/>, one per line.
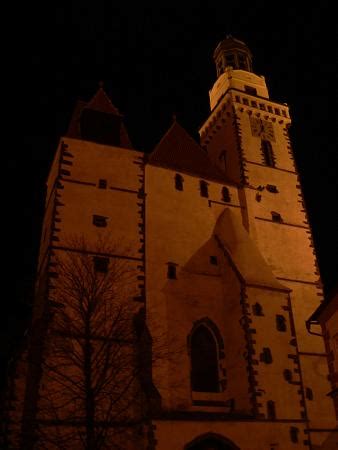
<point x="223" y="160"/>
<point x="280" y="322"/>
<point x="204" y="361"/>
<point x="271" y="410"/>
<point x="179" y="182"/>
<point x="268" y="153"/>
<point x="266" y="355"/>
<point x="171" y="272"/>
<point x="225" y="194"/>
<point x="204" y="189"/>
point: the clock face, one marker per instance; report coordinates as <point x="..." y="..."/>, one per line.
<point x="262" y="128"/>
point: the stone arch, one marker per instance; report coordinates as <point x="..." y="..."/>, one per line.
<point x="211" y="441"/>
<point x="208" y="323"/>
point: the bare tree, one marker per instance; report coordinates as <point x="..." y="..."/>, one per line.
<point x="97" y="358"/>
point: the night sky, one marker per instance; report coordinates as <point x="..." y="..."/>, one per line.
<point x="155" y="62"/>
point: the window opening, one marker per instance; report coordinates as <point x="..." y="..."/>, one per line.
<point x="204" y="189"/>
<point x="257" y="309"/>
<point x="266" y="355"/>
<point x="179" y="182"/>
<point x="271" y="409"/>
<point x="225" y="194"/>
<point x="268" y="153"/>
<point x="171" y="272"/>
<point x="102" y="184"/>
<point x="204" y="361"/>
<point x="250" y="90"/>
<point x="99" y="221"/>
<point x="276" y="217"/>
<point x="213" y="260"/>
<point x="280" y="322"/>
<point x="101" y="264"/>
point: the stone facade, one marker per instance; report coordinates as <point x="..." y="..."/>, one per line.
<point x="218" y="237"/>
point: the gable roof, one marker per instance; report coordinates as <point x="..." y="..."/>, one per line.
<point x="101" y="102"/>
<point x="179" y="151"/>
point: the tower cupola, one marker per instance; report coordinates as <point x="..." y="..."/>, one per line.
<point x="233" y="53"/>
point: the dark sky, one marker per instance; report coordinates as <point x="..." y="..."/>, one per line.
<point x="155" y="62"/>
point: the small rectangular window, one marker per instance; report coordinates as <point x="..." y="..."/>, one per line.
<point x="294" y="434"/>
<point x="204" y="189"/>
<point x="102" y="184"/>
<point x="237" y="98"/>
<point x="179" y="182"/>
<point x="266" y="355"/>
<point x="262" y="106"/>
<point x="101" y="264"/>
<point x="254" y="104"/>
<point x="276" y="217"/>
<point x="245" y="101"/>
<point x="277" y="111"/>
<point x="270" y="109"/>
<point x="99" y="221"/>
<point x="257" y="309"/>
<point x="284" y="113"/>
<point x="171" y="272"/>
<point x="280" y="322"/>
<point x="271" y="410"/>
<point x="213" y="260"/>
<point x="250" y="90"/>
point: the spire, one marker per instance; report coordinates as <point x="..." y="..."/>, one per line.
<point x="232" y="52"/>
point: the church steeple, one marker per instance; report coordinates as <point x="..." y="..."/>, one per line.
<point x="233" y="53"/>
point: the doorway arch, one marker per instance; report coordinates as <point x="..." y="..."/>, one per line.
<point x="211" y="441"/>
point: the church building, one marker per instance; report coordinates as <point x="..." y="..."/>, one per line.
<point x="224" y="275"/>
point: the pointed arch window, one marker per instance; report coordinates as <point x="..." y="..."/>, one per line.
<point x="204" y="361"/>
<point x="268" y="155"/>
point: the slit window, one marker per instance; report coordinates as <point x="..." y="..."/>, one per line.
<point x="204" y="189"/>
<point x="294" y="434"/>
<point x="271" y="410"/>
<point x="204" y="361"/>
<point x="280" y="323"/>
<point x="287" y="375"/>
<point x="99" y="221"/>
<point x="268" y="155"/>
<point x="179" y="182"/>
<point x="213" y="260"/>
<point x="101" y="264"/>
<point x="266" y="355"/>
<point x="171" y="271"/>
<point x="223" y="160"/>
<point x="225" y="194"/>
<point x="309" y="393"/>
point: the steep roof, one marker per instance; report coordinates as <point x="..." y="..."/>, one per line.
<point x="177" y="150"/>
<point x="101" y="102"/>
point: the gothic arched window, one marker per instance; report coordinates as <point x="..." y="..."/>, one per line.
<point x="204" y="361"/>
<point x="268" y="155"/>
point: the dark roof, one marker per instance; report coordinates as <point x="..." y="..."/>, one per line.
<point x="101" y="102"/>
<point x="177" y="150"/>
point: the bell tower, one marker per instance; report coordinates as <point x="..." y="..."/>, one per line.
<point x="247" y="137"/>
